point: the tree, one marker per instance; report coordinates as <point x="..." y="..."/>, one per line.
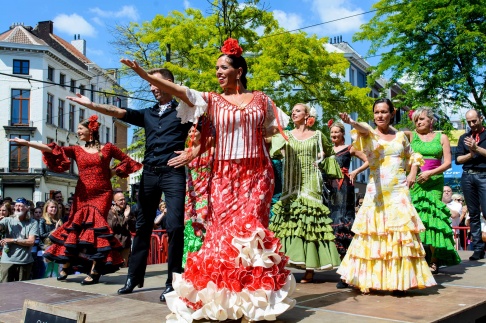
<point x="438" y="46"/>
<point x="289" y="67"/>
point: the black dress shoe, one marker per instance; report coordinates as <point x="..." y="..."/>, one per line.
<point x="168" y="289"/>
<point x="130" y="285"/>
<point x="95" y="278"/>
<point x="477" y="255"/>
<point x="66" y="271"/>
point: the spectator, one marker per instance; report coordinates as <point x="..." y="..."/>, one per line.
<point x="38" y="268"/>
<point x="5" y="210"/>
<point x="58" y="197"/>
<point x="67" y="211"/>
<point x="40" y="204"/>
<point x="16" y="261"/>
<point x="359" y="202"/>
<point x="454" y="207"/>
<point x="70" y="200"/>
<point x="159" y="222"/>
<point x="471" y="153"/>
<point x="50" y="221"/>
<point x="9" y="200"/>
<point x="122" y="222"/>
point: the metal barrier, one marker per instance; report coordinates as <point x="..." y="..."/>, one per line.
<point x="464" y="245"/>
<point x="159" y="247"/>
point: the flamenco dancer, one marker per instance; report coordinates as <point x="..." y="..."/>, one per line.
<point x="438" y="237"/>
<point x="386" y="252"/>
<point x="86" y="241"/>
<point x="342" y="204"/>
<point x="301" y="220"/>
<point x="239" y="260"/>
<point x="198" y="173"/>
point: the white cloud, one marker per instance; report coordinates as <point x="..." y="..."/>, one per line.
<point x="98" y="21"/>
<point x="74" y="24"/>
<point x="129" y="12"/>
<point x="329" y="10"/>
<point x="289" y="21"/>
<point x="187" y="4"/>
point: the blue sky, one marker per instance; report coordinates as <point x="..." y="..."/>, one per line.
<point x="92" y="19"/>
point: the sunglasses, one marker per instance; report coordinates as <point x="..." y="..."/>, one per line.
<point x="459" y="200"/>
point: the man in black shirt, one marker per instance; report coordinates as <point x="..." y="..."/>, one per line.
<point x="471" y="152"/>
<point x="165" y="135"/>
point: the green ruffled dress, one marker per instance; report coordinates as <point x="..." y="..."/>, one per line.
<point x="301" y="220"/>
<point x="427" y="200"/>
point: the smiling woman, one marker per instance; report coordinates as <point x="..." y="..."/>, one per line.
<point x="386" y="252"/>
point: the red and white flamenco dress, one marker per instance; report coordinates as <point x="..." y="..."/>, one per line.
<point x="239" y="272"/>
<point x="86" y="236"/>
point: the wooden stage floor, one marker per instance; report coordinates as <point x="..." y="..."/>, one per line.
<point x="459" y="297"/>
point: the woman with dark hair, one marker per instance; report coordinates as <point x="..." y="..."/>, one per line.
<point x="86" y="242"/>
<point x="386" y="252"/>
<point x="239" y="260"/>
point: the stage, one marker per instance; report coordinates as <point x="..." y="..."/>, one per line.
<point x="459" y="297"/>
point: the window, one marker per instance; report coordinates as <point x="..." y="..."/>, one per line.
<point x="62" y="80"/>
<point x="115" y="134"/>
<point x="21" y="66"/>
<point x="72" y="86"/>
<point x="20" y="107"/>
<point x="50" y="109"/>
<point x="50" y="73"/>
<point x="107" y="134"/>
<point x="71" y="117"/>
<point x="100" y="96"/>
<point x="81" y="115"/>
<point x="82" y="89"/>
<point x="60" y="114"/>
<point x="92" y="94"/>
<point x="19" y="155"/>
<point x="49" y="140"/>
<point x="352" y="76"/>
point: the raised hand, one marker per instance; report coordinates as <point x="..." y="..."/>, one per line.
<point x="19" y="141"/>
<point x="135" y="67"/>
<point x="80" y="99"/>
<point x="345" y="117"/>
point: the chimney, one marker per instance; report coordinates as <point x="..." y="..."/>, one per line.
<point x="79" y="44"/>
<point x="44" y="28"/>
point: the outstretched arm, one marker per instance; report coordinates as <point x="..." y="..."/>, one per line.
<point x="347" y="119"/>
<point x="35" y="145"/>
<point x="107" y="109"/>
<point x="164" y="85"/>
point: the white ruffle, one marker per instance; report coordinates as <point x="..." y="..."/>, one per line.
<point x="223" y="304"/>
<point x="190" y="114"/>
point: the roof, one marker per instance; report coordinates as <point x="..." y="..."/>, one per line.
<point x="20" y="35"/>
<point x="70" y="48"/>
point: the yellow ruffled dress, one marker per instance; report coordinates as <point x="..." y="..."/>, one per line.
<point x="386" y="252"/>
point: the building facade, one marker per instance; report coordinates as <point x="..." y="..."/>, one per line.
<point x="39" y="69"/>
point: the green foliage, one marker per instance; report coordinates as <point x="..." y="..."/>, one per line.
<point x="289" y="67"/>
<point x="438" y="46"/>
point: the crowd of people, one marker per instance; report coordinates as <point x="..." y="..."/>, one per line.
<point x="210" y="155"/>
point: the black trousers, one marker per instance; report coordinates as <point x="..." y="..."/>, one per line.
<point x="171" y="182"/>
<point x="474" y="189"/>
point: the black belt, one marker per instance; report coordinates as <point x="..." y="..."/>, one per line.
<point x="475" y="171"/>
<point x="157" y="169"/>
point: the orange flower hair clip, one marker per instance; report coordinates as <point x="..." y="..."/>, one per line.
<point x="93" y="125"/>
<point x="231" y="47"/>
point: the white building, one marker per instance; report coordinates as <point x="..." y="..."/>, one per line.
<point x="38" y="69"/>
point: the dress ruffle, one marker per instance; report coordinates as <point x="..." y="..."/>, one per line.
<point x="126" y="167"/>
<point x="190" y="114"/>
<point x="84" y="238"/>
<point x="243" y="277"/>
<point x="56" y="160"/>
<point x="435" y="216"/>
<point x="305" y="231"/>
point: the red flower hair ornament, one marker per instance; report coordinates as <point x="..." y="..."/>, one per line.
<point x="93" y="125"/>
<point x="330" y="122"/>
<point x="410" y="114"/>
<point x="231" y="47"/>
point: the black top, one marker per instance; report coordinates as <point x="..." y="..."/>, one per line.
<point x="163" y="134"/>
<point x="478" y="162"/>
